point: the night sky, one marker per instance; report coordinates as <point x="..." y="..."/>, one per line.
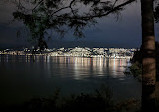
<point x="126" y="32"/>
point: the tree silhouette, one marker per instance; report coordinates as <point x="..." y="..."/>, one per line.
<point x="156" y="14"/>
<point x="148" y="56"/>
<point x="62" y="16"/>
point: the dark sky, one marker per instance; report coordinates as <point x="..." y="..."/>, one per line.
<point x="126" y="32"/>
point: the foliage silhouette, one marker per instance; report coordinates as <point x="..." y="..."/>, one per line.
<point x="136" y="68"/>
<point x="99" y="101"/>
<point x="62" y="16"/>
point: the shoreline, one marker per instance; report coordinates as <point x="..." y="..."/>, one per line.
<point x="92" y="56"/>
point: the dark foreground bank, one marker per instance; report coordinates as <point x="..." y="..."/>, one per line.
<point x="99" y="101"/>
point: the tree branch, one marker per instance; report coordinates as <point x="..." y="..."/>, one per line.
<point x="111" y="11"/>
<point x="90" y="17"/>
<point x="37" y="5"/>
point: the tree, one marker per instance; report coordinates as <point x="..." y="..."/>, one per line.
<point x="148" y="56"/>
<point x="59" y="14"/>
<point x="62" y="16"/>
<point x="150" y="78"/>
<point x="156" y="14"/>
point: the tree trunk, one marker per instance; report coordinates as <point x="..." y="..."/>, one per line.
<point x="148" y="57"/>
<point x="157" y="74"/>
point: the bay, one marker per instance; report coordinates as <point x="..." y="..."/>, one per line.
<point x="26" y="77"/>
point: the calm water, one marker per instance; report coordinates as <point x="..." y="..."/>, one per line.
<point x="26" y="77"/>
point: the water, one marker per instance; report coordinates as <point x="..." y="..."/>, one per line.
<point x="26" y="77"/>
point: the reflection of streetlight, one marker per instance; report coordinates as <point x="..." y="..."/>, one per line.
<point x="48" y="59"/>
<point x="68" y="59"/>
<point x="114" y="64"/>
<point x="100" y="61"/>
<point x="120" y="63"/>
<point x="77" y="72"/>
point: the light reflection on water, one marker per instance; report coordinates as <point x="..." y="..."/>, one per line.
<point x="28" y="76"/>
